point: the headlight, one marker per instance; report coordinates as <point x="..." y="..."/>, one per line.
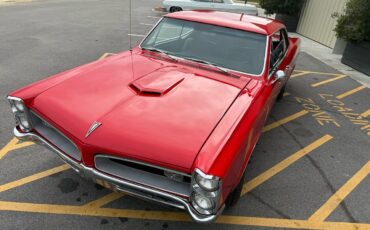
<point x="19" y="106"/>
<point x="203" y="202"/>
<point x="206" y="192"/>
<point x="21" y="113"/>
<point x="207" y="183"/>
<point x="24" y="123"/>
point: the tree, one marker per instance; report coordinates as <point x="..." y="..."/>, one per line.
<point x="354" y="24"/>
<point x="287" y="7"/>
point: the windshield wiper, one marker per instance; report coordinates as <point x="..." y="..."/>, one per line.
<point x="222" y="69"/>
<point x="160" y="51"/>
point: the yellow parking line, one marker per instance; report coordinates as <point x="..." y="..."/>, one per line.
<point x="82" y="210"/>
<point x="365" y="114"/>
<point x="175" y="216"/>
<point x="8" y="147"/>
<point x="250" y="185"/>
<point x="350" y="92"/>
<point x="321" y="73"/>
<point x="32" y="178"/>
<point x="284" y="121"/>
<point x="22" y="145"/>
<point x="106" y="55"/>
<point x="104" y="200"/>
<point x="299" y="74"/>
<point x="326" y="209"/>
<point x="12" y="145"/>
<point x="328" y="81"/>
<point x="289" y="223"/>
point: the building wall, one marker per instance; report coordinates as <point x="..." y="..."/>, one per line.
<point x="316" y="22"/>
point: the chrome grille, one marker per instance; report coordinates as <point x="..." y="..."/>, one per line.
<point x="144" y="174"/>
<point x="54" y="136"/>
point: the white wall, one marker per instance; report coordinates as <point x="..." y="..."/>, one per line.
<point x="316" y="21"/>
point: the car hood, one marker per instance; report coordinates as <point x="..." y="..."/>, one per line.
<point x="149" y="109"/>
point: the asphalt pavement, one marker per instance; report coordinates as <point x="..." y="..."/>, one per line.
<point x="310" y="169"/>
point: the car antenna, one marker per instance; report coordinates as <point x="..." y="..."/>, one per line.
<point x="130" y="27"/>
<point x="241" y="16"/>
<point x="130" y="39"/>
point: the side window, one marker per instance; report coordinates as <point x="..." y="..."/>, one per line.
<point x="279" y="46"/>
<point x="285" y="37"/>
<point x="202" y="0"/>
<point x="218" y="1"/>
<point x="275" y="39"/>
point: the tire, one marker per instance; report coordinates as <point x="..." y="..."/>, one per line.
<point x="175" y="9"/>
<point x="234" y="196"/>
<point x="281" y="94"/>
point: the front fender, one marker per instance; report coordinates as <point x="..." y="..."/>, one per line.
<point x="227" y="150"/>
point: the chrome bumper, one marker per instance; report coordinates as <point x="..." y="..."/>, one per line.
<point x="119" y="184"/>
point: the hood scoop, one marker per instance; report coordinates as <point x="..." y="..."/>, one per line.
<point x="157" y="83"/>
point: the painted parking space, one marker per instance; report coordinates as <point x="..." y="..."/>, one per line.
<point x="310" y="170"/>
<point x="100" y="207"/>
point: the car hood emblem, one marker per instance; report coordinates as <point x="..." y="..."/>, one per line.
<point x="92" y="128"/>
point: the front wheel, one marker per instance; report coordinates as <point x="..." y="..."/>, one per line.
<point x="175" y="9"/>
<point x="234" y="196"/>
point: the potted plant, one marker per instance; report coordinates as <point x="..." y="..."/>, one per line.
<point x="287" y="11"/>
<point x="354" y="27"/>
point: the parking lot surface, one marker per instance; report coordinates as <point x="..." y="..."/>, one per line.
<point x="310" y="169"/>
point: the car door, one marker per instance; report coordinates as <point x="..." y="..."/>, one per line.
<point x="279" y="46"/>
<point x="277" y="52"/>
<point x="201" y="5"/>
<point x="288" y="63"/>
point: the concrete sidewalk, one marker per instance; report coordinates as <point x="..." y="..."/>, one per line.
<point x="325" y="55"/>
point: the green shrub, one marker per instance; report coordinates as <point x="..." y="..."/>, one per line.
<point x="354" y="24"/>
<point x="288" y="7"/>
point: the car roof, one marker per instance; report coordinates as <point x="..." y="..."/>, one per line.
<point x="239" y="21"/>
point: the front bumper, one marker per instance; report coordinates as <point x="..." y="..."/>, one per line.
<point x="119" y="184"/>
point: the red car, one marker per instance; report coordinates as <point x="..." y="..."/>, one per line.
<point x="174" y="120"/>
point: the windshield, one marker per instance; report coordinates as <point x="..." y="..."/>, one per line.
<point x="232" y="49"/>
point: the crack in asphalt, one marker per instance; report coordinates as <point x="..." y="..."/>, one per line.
<point x="277" y="211"/>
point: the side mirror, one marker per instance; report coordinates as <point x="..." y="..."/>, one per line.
<point x="279" y="75"/>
